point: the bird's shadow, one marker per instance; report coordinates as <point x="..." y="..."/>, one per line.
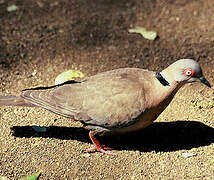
<point x="160" y="136"/>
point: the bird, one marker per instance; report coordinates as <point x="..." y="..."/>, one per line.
<point x="115" y="102"/>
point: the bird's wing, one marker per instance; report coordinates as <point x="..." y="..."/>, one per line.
<point x="60" y="99"/>
<point x="113" y="102"/>
<point x="108" y="100"/>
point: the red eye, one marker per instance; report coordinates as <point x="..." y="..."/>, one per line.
<point x="189" y="72"/>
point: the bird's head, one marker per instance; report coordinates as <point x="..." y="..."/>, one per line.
<point x="185" y="71"/>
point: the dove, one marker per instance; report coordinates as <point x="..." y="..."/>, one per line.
<point x="114" y="102"/>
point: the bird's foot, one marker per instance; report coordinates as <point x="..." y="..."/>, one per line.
<point x="97" y="146"/>
<point x="102" y="149"/>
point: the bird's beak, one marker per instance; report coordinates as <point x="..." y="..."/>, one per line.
<point x="204" y="81"/>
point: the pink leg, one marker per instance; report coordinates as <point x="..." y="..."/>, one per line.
<point x="97" y="146"/>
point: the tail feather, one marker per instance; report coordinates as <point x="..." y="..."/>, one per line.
<point x="14" y="101"/>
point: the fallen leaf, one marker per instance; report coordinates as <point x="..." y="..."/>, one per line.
<point x="150" y="35"/>
<point x="68" y="75"/>
<point x="32" y="177"/>
<point x="12" y="8"/>
<point x="86" y="155"/>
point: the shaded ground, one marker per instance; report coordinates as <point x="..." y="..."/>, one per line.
<point x="44" y="38"/>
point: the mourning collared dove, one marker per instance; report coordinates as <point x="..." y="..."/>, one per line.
<point x="114" y="102"/>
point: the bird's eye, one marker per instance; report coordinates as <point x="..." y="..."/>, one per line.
<point x="189" y="72"/>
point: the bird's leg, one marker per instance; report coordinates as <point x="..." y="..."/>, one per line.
<point x="96" y="145"/>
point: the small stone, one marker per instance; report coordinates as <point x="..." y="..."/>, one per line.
<point x="187" y="155"/>
<point x="138" y="152"/>
<point x="177" y="19"/>
<point x="34" y="72"/>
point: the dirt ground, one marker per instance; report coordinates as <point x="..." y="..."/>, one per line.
<point x="43" y="38"/>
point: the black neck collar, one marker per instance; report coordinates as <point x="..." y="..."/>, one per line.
<point x="161" y="79"/>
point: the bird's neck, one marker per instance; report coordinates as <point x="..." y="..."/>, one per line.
<point x="161" y="79"/>
<point x="168" y="76"/>
<point x="165" y="87"/>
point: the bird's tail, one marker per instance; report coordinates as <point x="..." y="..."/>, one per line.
<point x="14" y="101"/>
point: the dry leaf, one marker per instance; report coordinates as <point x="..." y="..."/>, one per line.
<point x="150" y="35"/>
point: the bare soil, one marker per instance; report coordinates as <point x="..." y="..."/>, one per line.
<point x="44" y="38"/>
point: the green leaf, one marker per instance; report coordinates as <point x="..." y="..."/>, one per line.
<point x="32" y="177"/>
<point x="150" y="35"/>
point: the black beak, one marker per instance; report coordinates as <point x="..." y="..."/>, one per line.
<point x="204" y="81"/>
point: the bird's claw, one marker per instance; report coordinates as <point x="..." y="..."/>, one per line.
<point x="100" y="149"/>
